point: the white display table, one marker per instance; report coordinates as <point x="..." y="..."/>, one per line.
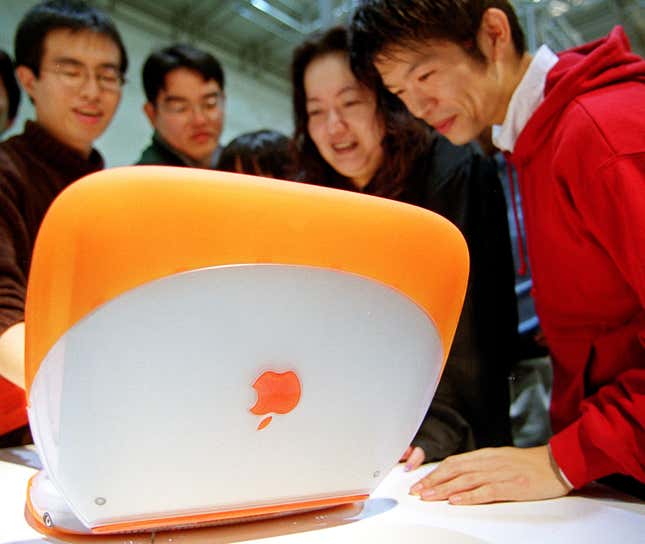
<point x="391" y="515"/>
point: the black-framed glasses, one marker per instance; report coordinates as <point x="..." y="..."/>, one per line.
<point x="75" y="75"/>
<point x="208" y="106"/>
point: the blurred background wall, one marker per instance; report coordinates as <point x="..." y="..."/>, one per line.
<point x="254" y="39"/>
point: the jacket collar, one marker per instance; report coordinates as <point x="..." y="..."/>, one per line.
<point x="528" y="95"/>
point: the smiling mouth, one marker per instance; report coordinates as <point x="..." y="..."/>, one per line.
<point x="445" y="125"/>
<point x="90" y="117"/>
<point x="344" y="147"/>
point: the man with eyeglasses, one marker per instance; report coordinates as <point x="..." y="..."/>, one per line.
<point x="71" y="62"/>
<point x="184" y="88"/>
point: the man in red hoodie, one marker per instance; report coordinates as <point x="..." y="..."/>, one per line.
<point x="573" y="125"/>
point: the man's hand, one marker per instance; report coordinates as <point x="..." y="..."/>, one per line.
<point x="492" y="475"/>
<point x="413" y="458"/>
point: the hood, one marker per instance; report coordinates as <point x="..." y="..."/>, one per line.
<point x="597" y="64"/>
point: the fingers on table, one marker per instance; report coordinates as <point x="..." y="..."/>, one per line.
<point x="415" y="459"/>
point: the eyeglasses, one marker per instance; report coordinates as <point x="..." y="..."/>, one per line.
<point x="181" y="107"/>
<point x="75" y="76"/>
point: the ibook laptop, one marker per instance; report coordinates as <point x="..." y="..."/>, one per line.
<point x="206" y="347"/>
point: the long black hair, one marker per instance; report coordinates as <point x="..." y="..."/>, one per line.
<point x="406" y="138"/>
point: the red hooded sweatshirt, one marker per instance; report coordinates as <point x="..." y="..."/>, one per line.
<point x="581" y="165"/>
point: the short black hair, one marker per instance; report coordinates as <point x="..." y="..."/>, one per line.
<point x="74" y="15"/>
<point x="262" y="153"/>
<point x="10" y="84"/>
<point x="380" y="25"/>
<point x="179" y="55"/>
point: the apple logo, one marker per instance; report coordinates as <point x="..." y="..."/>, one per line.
<point x="278" y="393"/>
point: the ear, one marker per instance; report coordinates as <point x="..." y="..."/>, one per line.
<point x="151" y="113"/>
<point x="27" y="79"/>
<point x="494" y="35"/>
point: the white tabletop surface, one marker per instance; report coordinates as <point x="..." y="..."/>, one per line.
<point x="391" y="515"/>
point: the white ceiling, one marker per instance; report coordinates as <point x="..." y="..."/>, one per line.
<point x="261" y="34"/>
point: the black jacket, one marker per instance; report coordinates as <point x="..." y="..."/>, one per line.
<point x="471" y="406"/>
<point x="158" y="152"/>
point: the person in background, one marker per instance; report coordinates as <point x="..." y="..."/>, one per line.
<point x="350" y="136"/>
<point x="184" y="89"/>
<point x="71" y="62"/>
<point x="9" y="93"/>
<point x="264" y="152"/>
<point x="573" y="126"/>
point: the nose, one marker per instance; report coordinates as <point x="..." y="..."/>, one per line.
<point x="198" y="115"/>
<point x="419" y="103"/>
<point x="334" y="121"/>
<point x="90" y="88"/>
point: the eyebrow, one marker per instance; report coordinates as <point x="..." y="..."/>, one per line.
<point x="348" y="88"/>
<point x="411" y="66"/>
<point x="414" y="65"/>
<point x="173" y="98"/>
<point x="176" y="98"/>
<point x="345" y="89"/>
<point x="68" y="60"/>
<point x="74" y="62"/>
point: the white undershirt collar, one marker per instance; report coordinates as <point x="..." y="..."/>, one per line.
<point x="528" y="95"/>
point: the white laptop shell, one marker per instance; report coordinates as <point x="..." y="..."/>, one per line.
<point x="142" y="410"/>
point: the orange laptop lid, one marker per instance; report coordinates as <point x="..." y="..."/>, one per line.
<point x="179" y="320"/>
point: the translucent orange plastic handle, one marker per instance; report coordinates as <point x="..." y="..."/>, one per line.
<point x="121" y="228"/>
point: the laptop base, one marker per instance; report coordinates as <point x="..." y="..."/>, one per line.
<point x="49" y="514"/>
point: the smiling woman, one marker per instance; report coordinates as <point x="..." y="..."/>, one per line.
<point x="343" y="129"/>
<point x="342" y="119"/>
<point x="355" y="136"/>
